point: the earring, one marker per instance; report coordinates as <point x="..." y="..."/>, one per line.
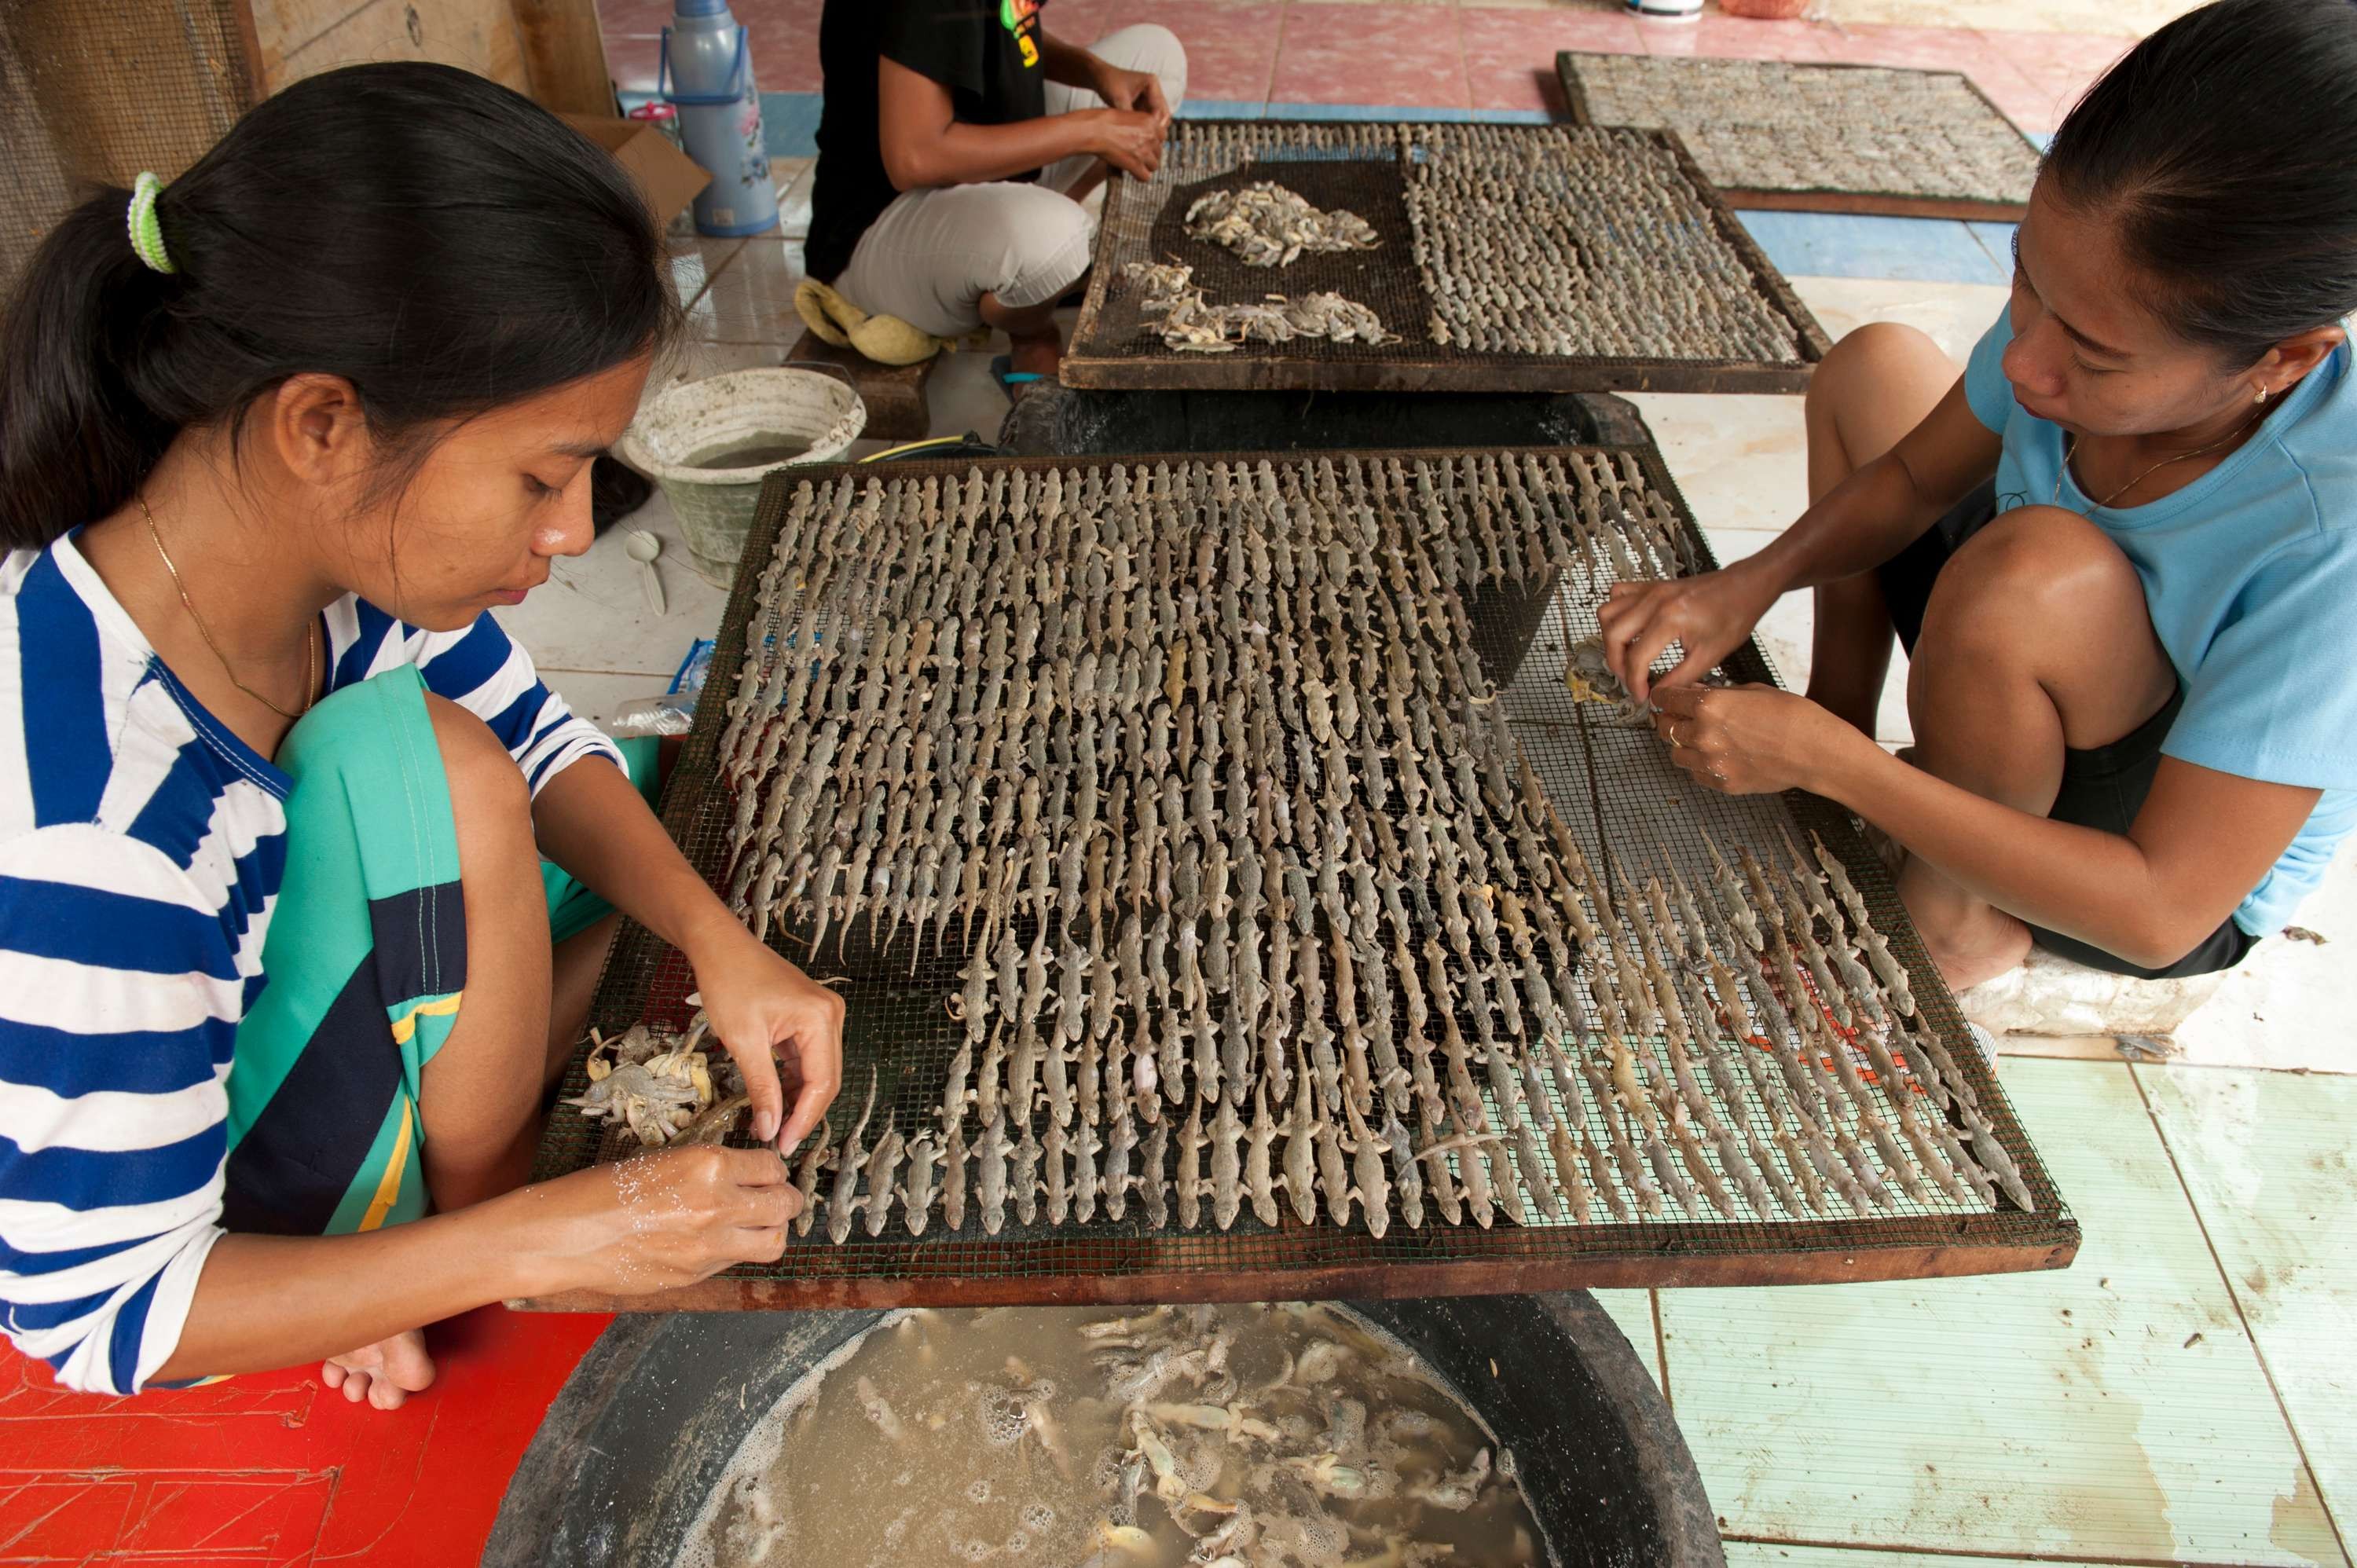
<point x="2262" y="398"/>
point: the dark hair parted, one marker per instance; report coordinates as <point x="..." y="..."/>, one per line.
<point x="2224" y="145"/>
<point x="439" y="241"/>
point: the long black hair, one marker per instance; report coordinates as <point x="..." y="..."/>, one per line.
<point x="2224" y="147"/>
<point x="434" y="239"/>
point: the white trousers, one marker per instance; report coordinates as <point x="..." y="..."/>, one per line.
<point x="930" y="256"/>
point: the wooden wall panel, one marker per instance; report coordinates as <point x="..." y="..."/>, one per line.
<point x="564" y="55"/>
<point x="303" y="37"/>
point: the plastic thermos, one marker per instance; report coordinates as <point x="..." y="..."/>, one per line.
<point x="706" y="73"/>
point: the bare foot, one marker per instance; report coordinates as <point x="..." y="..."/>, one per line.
<point x="385" y="1373"/>
<point x="1040" y="356"/>
<point x="1970" y="940"/>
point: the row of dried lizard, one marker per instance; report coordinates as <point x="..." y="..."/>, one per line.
<point x="1682" y="1132"/>
<point x="1200" y="772"/>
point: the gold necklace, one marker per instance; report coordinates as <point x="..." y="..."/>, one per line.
<point x="310" y="653"/>
<point x="2071" y="449"/>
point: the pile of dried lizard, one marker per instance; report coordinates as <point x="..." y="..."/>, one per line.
<point x="1268" y="226"/>
<point x="1193" y="325"/>
<point x="660" y="1086"/>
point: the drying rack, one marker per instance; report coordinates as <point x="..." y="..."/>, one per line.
<point x="1942" y="107"/>
<point x="1613" y="787"/>
<point x="1362" y="166"/>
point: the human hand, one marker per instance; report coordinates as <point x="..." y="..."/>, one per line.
<point x="1128" y="139"/>
<point x="655" y="1222"/>
<point x="1709" y="615"/>
<point x="1135" y="89"/>
<point x="783" y="1029"/>
<point x="1750" y="740"/>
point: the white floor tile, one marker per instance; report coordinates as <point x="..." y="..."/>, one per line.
<point x="2112" y="1411"/>
<point x="2267" y="1158"/>
<point x="751" y="300"/>
<point x="2291" y="1003"/>
<point x="1955" y="314"/>
<point x="795" y="184"/>
<point x="1777" y="1554"/>
<point x="1740" y="461"/>
<point x="592" y="614"/>
<point x="961" y="397"/>
<point x="1633" y="1311"/>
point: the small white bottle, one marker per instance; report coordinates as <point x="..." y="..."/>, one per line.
<point x="708" y="75"/>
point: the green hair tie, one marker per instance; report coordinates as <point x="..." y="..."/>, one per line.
<point x="146" y="233"/>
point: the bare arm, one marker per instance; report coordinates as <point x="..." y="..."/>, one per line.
<point x="592" y="821"/>
<point x="1859" y="524"/>
<point x="276" y="1301"/>
<point x="2201" y="842"/>
<point x="926" y="146"/>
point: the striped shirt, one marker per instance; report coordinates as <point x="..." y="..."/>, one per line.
<point x="141" y="846"/>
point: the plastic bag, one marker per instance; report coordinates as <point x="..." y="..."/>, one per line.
<point x="673" y="713"/>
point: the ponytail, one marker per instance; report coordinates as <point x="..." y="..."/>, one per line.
<point x="437" y="240"/>
<point x="76" y="435"/>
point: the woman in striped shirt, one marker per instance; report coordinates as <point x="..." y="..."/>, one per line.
<point x="282" y="986"/>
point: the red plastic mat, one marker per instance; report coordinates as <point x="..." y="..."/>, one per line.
<point x="277" y="1469"/>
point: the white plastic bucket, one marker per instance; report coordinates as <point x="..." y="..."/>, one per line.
<point x="774" y="416"/>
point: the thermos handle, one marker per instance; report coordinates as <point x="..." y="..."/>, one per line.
<point x="698" y="100"/>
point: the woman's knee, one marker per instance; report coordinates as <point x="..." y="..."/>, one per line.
<point x="2028" y="576"/>
<point x="1151" y="47"/>
<point x="1871" y="359"/>
<point x="490" y="803"/>
<point x="1040" y="242"/>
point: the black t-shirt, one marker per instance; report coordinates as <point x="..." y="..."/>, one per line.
<point x="986" y="55"/>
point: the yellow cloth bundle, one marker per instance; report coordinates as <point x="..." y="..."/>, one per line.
<point x="886" y="339"/>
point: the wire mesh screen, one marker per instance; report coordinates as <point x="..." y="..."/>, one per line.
<point x="95" y="91"/>
<point x="1846" y="138"/>
<point x="1603" y="1088"/>
<point x="1508" y="257"/>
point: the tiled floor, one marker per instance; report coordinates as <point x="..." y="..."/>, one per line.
<point x="2181" y="1394"/>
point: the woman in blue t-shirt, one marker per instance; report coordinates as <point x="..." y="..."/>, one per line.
<point x="2121" y="549"/>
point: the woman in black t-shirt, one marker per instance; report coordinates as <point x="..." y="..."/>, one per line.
<point x="955" y="147"/>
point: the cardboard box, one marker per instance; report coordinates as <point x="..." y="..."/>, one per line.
<point x="668" y="178"/>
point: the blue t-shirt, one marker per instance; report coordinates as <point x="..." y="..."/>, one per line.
<point x="2250" y="573"/>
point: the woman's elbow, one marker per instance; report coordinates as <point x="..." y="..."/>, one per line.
<point x="2158" y="939"/>
<point x="909" y="169"/>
